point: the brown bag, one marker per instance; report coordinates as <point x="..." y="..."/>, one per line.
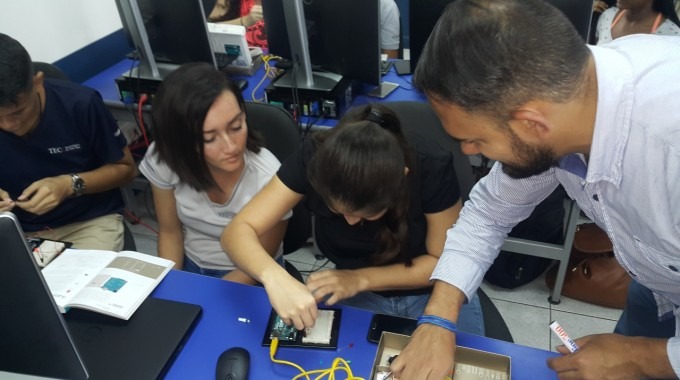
<point x="593" y="274"/>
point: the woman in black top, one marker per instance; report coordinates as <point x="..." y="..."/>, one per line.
<point x="382" y="208"/>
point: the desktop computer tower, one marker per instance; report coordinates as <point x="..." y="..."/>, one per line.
<point x="328" y="104"/>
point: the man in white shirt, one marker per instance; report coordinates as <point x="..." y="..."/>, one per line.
<point x="512" y="79"/>
<point x="389" y="28"/>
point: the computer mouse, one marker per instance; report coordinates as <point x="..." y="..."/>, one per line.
<point x="233" y="364"/>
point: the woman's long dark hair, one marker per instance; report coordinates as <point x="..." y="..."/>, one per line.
<point x="179" y="110"/>
<point x="360" y="165"/>
<point x="667" y="9"/>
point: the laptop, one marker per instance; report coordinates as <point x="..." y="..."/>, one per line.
<point x="37" y="340"/>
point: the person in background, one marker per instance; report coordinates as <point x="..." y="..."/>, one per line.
<point x="513" y="80"/>
<point x="247" y="13"/>
<point x="236" y="12"/>
<point x="63" y="156"/>
<point x="389" y="28"/>
<point x="204" y="166"/>
<point x="381" y="208"/>
<point x="637" y="16"/>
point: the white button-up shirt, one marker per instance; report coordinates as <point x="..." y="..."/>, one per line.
<point x="631" y="188"/>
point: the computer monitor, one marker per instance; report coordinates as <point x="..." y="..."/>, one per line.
<point x="339" y="36"/>
<point x="423" y="15"/>
<point x="35" y="339"/>
<point x="166" y="33"/>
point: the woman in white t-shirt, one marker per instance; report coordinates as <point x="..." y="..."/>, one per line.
<point x="204" y="166"/>
<point x="637" y="16"/>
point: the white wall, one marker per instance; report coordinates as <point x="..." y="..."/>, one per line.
<point x="53" y="29"/>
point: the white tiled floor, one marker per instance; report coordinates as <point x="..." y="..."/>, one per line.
<point x="526" y="309"/>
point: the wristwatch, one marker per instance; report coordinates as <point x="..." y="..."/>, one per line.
<point x="78" y="185"/>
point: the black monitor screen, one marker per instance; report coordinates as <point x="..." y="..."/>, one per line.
<point x="177" y="30"/>
<point x="423" y="15"/>
<point x="343" y="35"/>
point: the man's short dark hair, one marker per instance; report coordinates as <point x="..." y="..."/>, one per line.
<point x="491" y="56"/>
<point x="16" y="70"/>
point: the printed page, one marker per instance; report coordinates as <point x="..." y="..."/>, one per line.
<point x="123" y="284"/>
<point x="72" y="271"/>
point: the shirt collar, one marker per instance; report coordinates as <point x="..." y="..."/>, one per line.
<point x="613" y="118"/>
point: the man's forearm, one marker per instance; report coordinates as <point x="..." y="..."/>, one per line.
<point x="110" y="176"/>
<point x="445" y="301"/>
<point x="652" y="358"/>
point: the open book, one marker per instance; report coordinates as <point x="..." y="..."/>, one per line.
<point x="111" y="283"/>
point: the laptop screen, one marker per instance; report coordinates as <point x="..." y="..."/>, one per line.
<point x="35" y="339"/>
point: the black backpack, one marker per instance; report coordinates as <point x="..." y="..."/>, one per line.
<point x="545" y="224"/>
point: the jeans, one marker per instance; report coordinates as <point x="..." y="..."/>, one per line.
<point x="192" y="267"/>
<point x="470" y="319"/>
<point x="640" y="317"/>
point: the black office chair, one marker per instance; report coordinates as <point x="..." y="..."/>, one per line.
<point x="418" y="119"/>
<point x="282" y="137"/>
<point x="50" y="70"/>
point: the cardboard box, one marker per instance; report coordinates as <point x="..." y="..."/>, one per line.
<point x="470" y="364"/>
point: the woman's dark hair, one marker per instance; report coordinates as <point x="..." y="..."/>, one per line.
<point x="359" y="165"/>
<point x="179" y="110"/>
<point x="667" y="9"/>
<point x="491" y="56"/>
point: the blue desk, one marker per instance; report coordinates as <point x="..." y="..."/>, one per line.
<point x="218" y="329"/>
<point x="104" y="82"/>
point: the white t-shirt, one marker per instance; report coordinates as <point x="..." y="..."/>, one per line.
<point x="389" y="25"/>
<point x="204" y="220"/>
<point x="603" y="34"/>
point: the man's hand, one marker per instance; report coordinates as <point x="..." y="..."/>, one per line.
<point x="44" y="195"/>
<point x="6" y="202"/>
<point x="335" y="285"/>
<point x="613" y="356"/>
<point x="292" y="301"/>
<point x="432" y="348"/>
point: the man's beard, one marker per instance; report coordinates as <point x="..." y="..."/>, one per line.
<point x="534" y="160"/>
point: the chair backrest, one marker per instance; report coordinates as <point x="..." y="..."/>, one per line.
<point x="282" y="138"/>
<point x="50" y="70"/>
<point x="418" y="118"/>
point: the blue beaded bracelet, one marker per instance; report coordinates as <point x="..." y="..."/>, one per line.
<point x="438" y="321"/>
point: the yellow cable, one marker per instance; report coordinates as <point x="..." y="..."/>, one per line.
<point x="269" y="72"/>
<point x="272" y="352"/>
<point x="338" y="364"/>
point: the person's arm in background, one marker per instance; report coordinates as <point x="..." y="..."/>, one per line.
<point x="170" y="231"/>
<point x="600" y="6"/>
<point x="252" y="17"/>
<point x="44" y="195"/>
<point x="389" y="28"/>
<point x="241" y="238"/>
<point x="341" y="284"/>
